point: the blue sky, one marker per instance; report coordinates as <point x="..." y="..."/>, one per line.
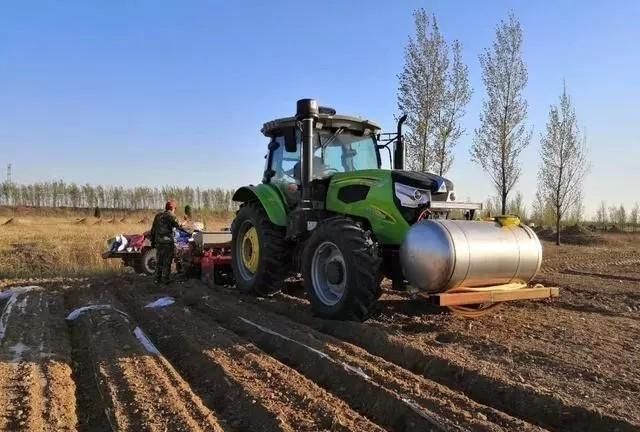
<point x="139" y="92"/>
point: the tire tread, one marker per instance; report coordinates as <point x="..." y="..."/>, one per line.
<point x="272" y="269"/>
<point x="364" y="263"/>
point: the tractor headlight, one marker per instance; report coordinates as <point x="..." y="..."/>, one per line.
<point x="410" y="196"/>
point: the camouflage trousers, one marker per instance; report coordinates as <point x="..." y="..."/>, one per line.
<point x="164" y="257"/>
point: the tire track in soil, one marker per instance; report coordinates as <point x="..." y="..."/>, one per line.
<point x="601" y="275"/>
<point x="37" y="391"/>
<point x="137" y="390"/>
<point x="250" y="389"/>
<point x="610" y="299"/>
<point x="602" y="381"/>
<point x="515" y="399"/>
<point x="384" y="392"/>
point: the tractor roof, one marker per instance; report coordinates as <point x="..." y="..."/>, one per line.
<point x="356" y="124"/>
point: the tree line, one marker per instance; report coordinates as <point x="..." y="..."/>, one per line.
<point x="618" y="216"/>
<point x="542" y="213"/>
<point x="434" y="91"/>
<point x="60" y="194"/>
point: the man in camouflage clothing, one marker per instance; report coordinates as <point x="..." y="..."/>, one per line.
<point x="162" y="240"/>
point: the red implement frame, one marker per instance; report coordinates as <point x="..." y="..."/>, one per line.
<point x="212" y="262"/>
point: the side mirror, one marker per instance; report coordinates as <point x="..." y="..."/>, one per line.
<point x="268" y="175"/>
<point x="273" y="145"/>
<point x="290" y="144"/>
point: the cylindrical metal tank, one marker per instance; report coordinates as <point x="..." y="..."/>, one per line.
<point x="438" y="255"/>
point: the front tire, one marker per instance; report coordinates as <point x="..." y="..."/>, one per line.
<point x="340" y="270"/>
<point x="259" y="257"/>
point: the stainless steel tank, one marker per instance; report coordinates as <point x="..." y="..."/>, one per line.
<point x="438" y="255"/>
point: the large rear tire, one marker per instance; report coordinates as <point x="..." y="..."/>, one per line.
<point x="379" y="280"/>
<point x="259" y="253"/>
<point x="340" y="270"/>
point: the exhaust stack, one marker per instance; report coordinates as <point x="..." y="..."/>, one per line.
<point x="307" y="111"/>
<point x="398" y="154"/>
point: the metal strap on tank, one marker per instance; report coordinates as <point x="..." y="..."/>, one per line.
<point x="454" y="258"/>
<point x="532" y="235"/>
<point x="517" y="272"/>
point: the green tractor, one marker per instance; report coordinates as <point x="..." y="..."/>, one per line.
<point x="327" y="210"/>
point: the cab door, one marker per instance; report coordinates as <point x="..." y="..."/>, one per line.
<point x="284" y="169"/>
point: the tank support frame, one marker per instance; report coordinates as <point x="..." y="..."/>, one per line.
<point x="495" y="294"/>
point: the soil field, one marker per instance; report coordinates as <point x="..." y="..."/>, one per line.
<point x="215" y="360"/>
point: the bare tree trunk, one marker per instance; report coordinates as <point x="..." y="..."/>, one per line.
<point x="504" y="201"/>
<point x="558" y="217"/>
<point x="424" y="151"/>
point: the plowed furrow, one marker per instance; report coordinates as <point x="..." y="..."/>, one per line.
<point x="518" y="400"/>
<point x="602" y="275"/>
<point x="384" y="392"/>
<point x="139" y="390"/>
<point x="547" y="354"/>
<point x="251" y="390"/>
<point x="36" y="388"/>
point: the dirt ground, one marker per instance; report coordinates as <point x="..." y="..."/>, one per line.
<point x="218" y="361"/>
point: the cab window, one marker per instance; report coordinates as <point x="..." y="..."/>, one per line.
<point x="283" y="162"/>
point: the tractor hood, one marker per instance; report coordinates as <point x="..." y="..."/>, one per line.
<point x="432" y="182"/>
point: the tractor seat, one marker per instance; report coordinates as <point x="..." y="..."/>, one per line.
<point x="318" y="168"/>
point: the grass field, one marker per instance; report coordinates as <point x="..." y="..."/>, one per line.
<point x="42" y="246"/>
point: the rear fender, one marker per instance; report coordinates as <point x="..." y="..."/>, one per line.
<point x="270" y="199"/>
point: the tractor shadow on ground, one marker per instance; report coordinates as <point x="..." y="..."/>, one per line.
<point x="391" y="303"/>
<point x="388" y="305"/>
<point x="409" y="306"/>
<point x="294" y="288"/>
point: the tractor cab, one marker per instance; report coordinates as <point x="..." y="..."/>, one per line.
<point x="340" y="144"/>
<point x="340" y="147"/>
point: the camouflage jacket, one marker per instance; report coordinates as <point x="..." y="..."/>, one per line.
<point x="162" y="228"/>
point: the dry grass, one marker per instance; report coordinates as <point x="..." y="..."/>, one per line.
<point x="41" y="246"/>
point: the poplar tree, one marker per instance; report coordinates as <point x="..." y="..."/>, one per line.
<point x="503" y="134"/>
<point x="433" y="92"/>
<point x="563" y="164"/>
